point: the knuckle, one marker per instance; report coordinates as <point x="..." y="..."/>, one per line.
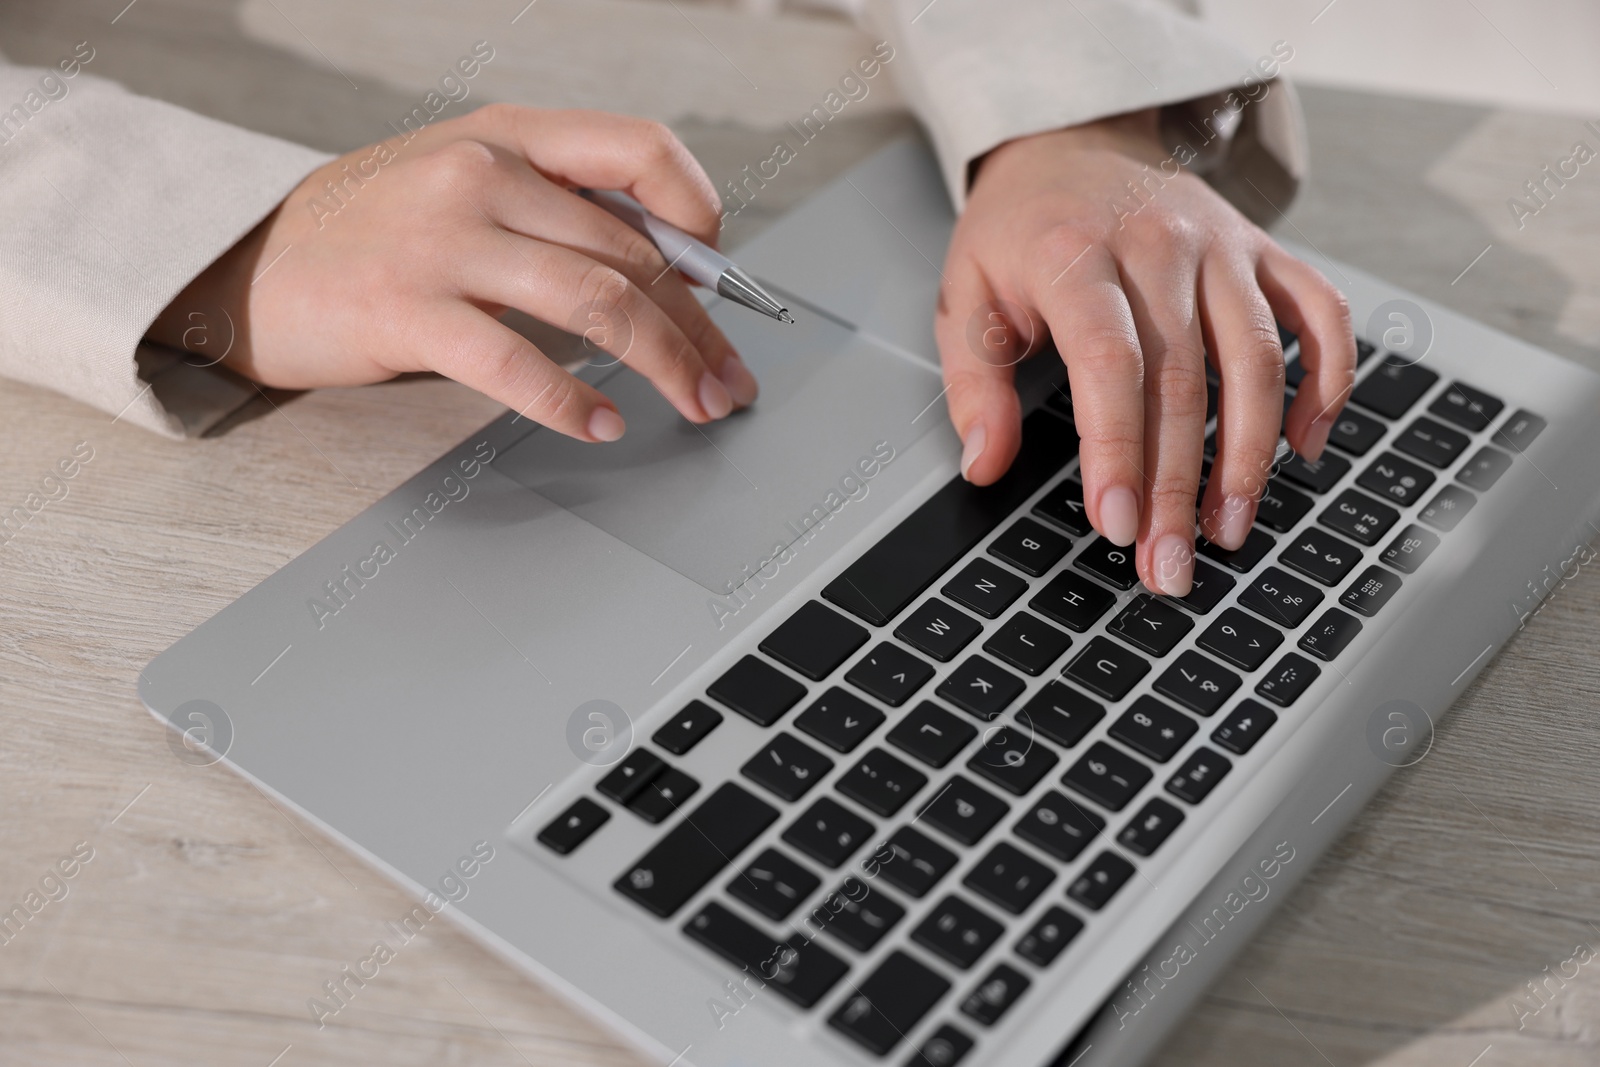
<point x="1174" y="494"/>
<point x="1258" y="355"/>
<point x="1179" y="388"/>
<point x="603" y="286"/>
<point x="1109" y="355"/>
<point x="558" y="401"/>
<point x="633" y="248"/>
<point x="1060" y="244"/>
<point x="458" y="164"/>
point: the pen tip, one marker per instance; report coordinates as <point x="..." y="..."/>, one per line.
<point x="784" y="316"/>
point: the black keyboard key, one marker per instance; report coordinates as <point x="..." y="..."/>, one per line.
<point x="688" y="728"/>
<point x="1469" y="408"/>
<point x="1290" y="676"/>
<point x="985" y="587"/>
<point x="938" y="629"/>
<point x="1012" y="759"/>
<point x="931" y="734"/>
<point x="1110" y="563"/>
<point x="981" y="687"/>
<point x="957" y="932"/>
<point x="889" y="673"/>
<point x="1407" y="551"/>
<point x="1060" y="826"/>
<point x="1371" y="591"/>
<point x="1150" y="624"/>
<point x="1046" y="938"/>
<point x="828" y="832"/>
<point x="839" y="719"/>
<point x="787" y="767"/>
<point x="1518" y="432"/>
<point x="1027" y="643"/>
<point x="1321" y="556"/>
<point x="1073" y="601"/>
<point x="912" y="862"/>
<point x="815" y="640"/>
<point x="1147" y="830"/>
<point x="572" y="827"/>
<point x="757" y="690"/>
<point x="1063" y="506"/>
<point x="1393" y="387"/>
<point x="1107" y="776"/>
<point x="696" y="850"/>
<point x="627" y="778"/>
<point x="773" y="885"/>
<point x="1199" y="775"/>
<point x="1152" y="729"/>
<point x="1240" y="640"/>
<point x="1000" y="989"/>
<point x="1286" y="338"/>
<point x="1029" y="547"/>
<point x="1009" y="878"/>
<point x="1365" y="350"/>
<point x="1447" y="508"/>
<point x="1282" y="507"/>
<point x="1207" y="588"/>
<point x="1329" y="635"/>
<point x="964" y="812"/>
<point x="1060" y="713"/>
<point x="893" y="572"/>
<point x="881" y="783"/>
<point x="1100" y="881"/>
<point x="948" y="1046"/>
<point x="859" y="917"/>
<point x="1106" y="668"/>
<point x="1244" y="726"/>
<point x="1396" y="480"/>
<point x="1317" y="475"/>
<point x="1354" y="432"/>
<point x="1197" y="683"/>
<point x="1359" y="517"/>
<point x="799" y="969"/>
<point x="1293" y="374"/>
<point x="1257" y="543"/>
<point x="892" y="1000"/>
<point x="1279" y="597"/>
<point x="1434" y="443"/>
<point x="1483" y="469"/>
<point x="663" y="795"/>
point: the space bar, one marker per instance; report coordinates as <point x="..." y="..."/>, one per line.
<point x="891" y="573"/>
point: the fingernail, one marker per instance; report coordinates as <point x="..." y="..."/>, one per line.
<point x="714" y="396"/>
<point x="605" y="424"/>
<point x="1119" y="515"/>
<point x="972" y="448"/>
<point x="740" y="382"/>
<point x="1173" y="561"/>
<point x="1233" y="525"/>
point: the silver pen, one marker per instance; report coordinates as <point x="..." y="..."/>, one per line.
<point x="694" y="258"/>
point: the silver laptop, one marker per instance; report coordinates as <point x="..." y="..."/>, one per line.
<point x="774" y="743"/>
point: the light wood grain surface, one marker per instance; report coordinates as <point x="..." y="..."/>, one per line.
<point x="206" y="916"/>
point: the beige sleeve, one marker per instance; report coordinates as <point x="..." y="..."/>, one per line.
<point x="111" y="204"/>
<point x="979" y="73"/>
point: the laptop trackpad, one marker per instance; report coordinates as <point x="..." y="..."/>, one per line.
<point x="716" y="502"/>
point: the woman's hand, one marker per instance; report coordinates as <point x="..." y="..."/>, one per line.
<point x="405" y="261"/>
<point x="1140" y="273"/>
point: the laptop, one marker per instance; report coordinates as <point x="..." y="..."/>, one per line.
<point x="773" y="743"/>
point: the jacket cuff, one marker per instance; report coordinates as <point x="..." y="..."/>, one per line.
<point x="120" y="201"/>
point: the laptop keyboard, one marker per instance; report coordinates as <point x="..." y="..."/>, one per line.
<point x="989" y="815"/>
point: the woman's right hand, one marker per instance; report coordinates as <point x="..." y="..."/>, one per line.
<point x="406" y="260"/>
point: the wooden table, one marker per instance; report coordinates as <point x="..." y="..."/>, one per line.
<point x="207" y="917"/>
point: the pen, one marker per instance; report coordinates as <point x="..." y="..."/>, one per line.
<point x="696" y="259"/>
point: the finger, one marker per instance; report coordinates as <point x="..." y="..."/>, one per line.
<point x="600" y="150"/>
<point x="548" y="281"/>
<point x="524" y="201"/>
<point x="1162" y="298"/>
<point x="979" y="344"/>
<point x="1309" y="305"/>
<point x="1088" y="315"/>
<point x="469" y="346"/>
<point x="1240" y="330"/>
